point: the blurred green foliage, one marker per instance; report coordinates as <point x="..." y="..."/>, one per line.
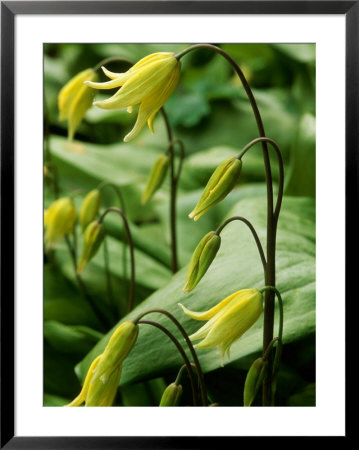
<point x="210" y="112"/>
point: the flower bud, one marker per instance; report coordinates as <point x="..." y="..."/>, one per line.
<point x="93" y="237"/>
<point x="117" y="349"/>
<point x="202" y="258"/>
<point x="59" y="219"/>
<point x="155" y="180"/>
<point x="254" y="380"/>
<point x="75" y="98"/>
<point x="219" y="186"/>
<point x="171" y="395"/>
<point x="89" y="208"/>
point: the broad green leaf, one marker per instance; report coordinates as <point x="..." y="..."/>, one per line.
<point x="236" y="266"/>
<point x="301" y="173"/>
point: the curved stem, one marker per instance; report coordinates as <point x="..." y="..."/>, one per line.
<point x="103" y="320"/>
<point x="181" y="157"/>
<point x="131" y="295"/>
<point x="189" y="344"/>
<point x="254" y="233"/>
<point x="180" y="349"/>
<point x="280" y="164"/>
<point x="108" y="275"/>
<point x="117" y="191"/>
<point x="121" y="200"/>
<point x="173" y="194"/>
<point x="271" y="221"/>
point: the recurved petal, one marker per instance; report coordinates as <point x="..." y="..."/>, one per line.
<point x="143" y="114"/>
<point x="206" y="315"/>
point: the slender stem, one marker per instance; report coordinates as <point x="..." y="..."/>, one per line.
<point x="108" y="275"/>
<point x="281" y="169"/>
<point x="269" y="348"/>
<point x="254" y="233"/>
<point x="173" y="194"/>
<point x="131" y="295"/>
<point x="121" y="200"/>
<point x="180" y="349"/>
<point x="271" y="221"/>
<point x="189" y="344"/>
<point x="104" y="322"/>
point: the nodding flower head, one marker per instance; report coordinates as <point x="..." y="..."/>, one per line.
<point x="89" y="208"/>
<point x="59" y="220"/>
<point x="96" y="393"/>
<point x="92" y="239"/>
<point x="149" y="83"/>
<point x="228" y="320"/>
<point x="75" y="99"/>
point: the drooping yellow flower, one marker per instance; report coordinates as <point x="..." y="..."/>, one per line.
<point x="156" y="177"/>
<point x="96" y="393"/>
<point x="59" y="219"/>
<point x="75" y="99"/>
<point x="150" y="83"/>
<point x="117" y="349"/>
<point x="228" y="320"/>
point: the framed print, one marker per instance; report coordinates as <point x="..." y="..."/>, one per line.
<point x="177" y="179"/>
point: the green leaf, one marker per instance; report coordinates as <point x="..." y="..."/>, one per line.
<point x="236" y="266"/>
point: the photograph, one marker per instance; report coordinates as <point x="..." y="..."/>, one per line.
<point x="179" y="224"/>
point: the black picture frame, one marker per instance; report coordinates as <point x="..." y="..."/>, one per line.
<point x="9" y="10"/>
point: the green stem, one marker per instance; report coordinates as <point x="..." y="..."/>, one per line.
<point x="173" y="194"/>
<point x="131" y="295"/>
<point x="254" y="233"/>
<point x="180" y="349"/>
<point x="271" y="221"/>
<point x="103" y="320"/>
<point x="189" y="344"/>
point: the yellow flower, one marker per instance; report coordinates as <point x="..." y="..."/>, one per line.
<point x="117" y="349"/>
<point x="150" y="82"/>
<point x="218" y="187"/>
<point x="228" y="320"/>
<point x="96" y="393"/>
<point x="75" y="99"/>
<point x="59" y="219"/>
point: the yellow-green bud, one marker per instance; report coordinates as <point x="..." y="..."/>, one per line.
<point x="202" y="258"/>
<point x="59" y="219"/>
<point x="117" y="349"/>
<point x="218" y="187"/>
<point x="93" y="237"/>
<point x="171" y="395"/>
<point x="156" y="177"/>
<point x="75" y="98"/>
<point x="89" y="208"/>
<point x="254" y="380"/>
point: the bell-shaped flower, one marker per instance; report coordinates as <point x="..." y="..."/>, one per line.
<point x="202" y="258"/>
<point x="228" y="320"/>
<point x="150" y="83"/>
<point x="254" y="379"/>
<point x="117" y="349"/>
<point x="89" y="208"/>
<point x="218" y="187"/>
<point x="75" y="99"/>
<point x="59" y="220"/>
<point x="96" y="393"/>
<point x="93" y="237"/>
